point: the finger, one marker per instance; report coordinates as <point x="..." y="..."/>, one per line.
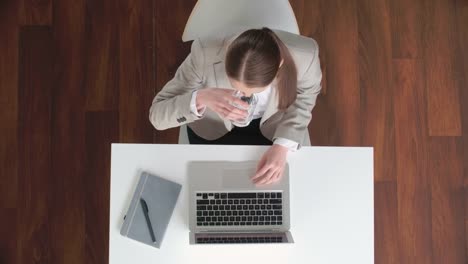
<point x="279" y="176"/>
<point x="224" y="106"/>
<point x="266" y="178"/>
<point x="226" y="110"/>
<point x="235" y="117"/>
<point x="260" y="165"/>
<point x="261" y="162"/>
<point x="269" y="180"/>
<point x="274" y="178"/>
<point x="260" y="172"/>
<point x="240" y="112"/>
<point x="239" y="102"/>
<point x="222" y="112"/>
<point x="234" y="109"/>
<point x="235" y="114"/>
<point x="231" y="99"/>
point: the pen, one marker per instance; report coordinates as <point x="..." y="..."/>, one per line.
<point x="148" y="222"/>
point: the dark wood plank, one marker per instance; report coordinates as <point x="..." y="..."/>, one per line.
<point x="309" y="18"/>
<point x="8" y="126"/>
<point x="462" y="21"/>
<point x="102" y="55"/>
<point x="8" y="230"/>
<point x="170" y="50"/>
<point x="34" y="173"/>
<point x="102" y="130"/>
<point x="448" y="225"/>
<point x="386" y="223"/>
<point x="440" y="49"/>
<point x="406" y="28"/>
<point x="35" y="12"/>
<point x="8" y="155"/>
<point x="68" y="130"/>
<point x="337" y="119"/>
<point x="413" y="183"/>
<point x="375" y="81"/>
<point x="136" y="70"/>
<point x="9" y="49"/>
<point x="8" y="103"/>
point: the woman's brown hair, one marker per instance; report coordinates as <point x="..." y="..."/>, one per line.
<point x="254" y="58"/>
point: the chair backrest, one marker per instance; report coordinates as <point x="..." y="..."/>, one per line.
<point x="227" y="17"/>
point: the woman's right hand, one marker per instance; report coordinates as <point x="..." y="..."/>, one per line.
<point x="219" y="100"/>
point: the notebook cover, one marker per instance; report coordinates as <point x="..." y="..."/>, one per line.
<point x="161" y="197"/>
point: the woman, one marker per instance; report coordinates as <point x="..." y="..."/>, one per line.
<point x="280" y="69"/>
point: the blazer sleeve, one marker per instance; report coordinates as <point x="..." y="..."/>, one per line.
<point x="295" y="121"/>
<point x="171" y="106"/>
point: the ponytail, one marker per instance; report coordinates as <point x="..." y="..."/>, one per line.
<point x="287" y="74"/>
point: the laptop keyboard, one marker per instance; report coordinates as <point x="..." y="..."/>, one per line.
<point x="239" y="239"/>
<point x="239" y="208"/>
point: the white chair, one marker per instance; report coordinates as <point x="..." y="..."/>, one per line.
<point x="227" y="17"/>
<point x="222" y="17"/>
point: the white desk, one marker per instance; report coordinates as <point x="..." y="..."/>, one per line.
<point x="332" y="214"/>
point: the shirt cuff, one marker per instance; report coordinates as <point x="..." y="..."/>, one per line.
<point x="193" y="106"/>
<point x="291" y="145"/>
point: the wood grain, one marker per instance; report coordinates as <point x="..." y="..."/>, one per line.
<point x="102" y="130"/>
<point x="68" y="130"/>
<point x="9" y="49"/>
<point x="341" y="102"/>
<point x="102" y="55"/>
<point x="375" y="82"/>
<point x="440" y="49"/>
<point x="406" y="23"/>
<point x="8" y="229"/>
<point x="387" y="247"/>
<point x="34" y="122"/>
<point x="35" y="12"/>
<point x="447" y="188"/>
<point x="170" y="50"/>
<point x="462" y="20"/>
<point x="136" y="74"/>
<point x="8" y="103"/>
<point x="309" y="17"/>
<point x="310" y="20"/>
<point x="413" y="182"/>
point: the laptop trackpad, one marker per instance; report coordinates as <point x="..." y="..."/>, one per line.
<point x="240" y="178"/>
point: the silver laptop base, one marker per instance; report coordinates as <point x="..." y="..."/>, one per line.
<point x="240" y="238"/>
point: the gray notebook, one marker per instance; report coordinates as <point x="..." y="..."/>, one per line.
<point x="159" y="196"/>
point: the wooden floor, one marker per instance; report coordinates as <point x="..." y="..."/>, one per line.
<point x="76" y="75"/>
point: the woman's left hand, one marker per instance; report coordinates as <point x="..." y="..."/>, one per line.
<point x="271" y="166"/>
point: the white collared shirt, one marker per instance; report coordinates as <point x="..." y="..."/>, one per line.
<point x="262" y="103"/>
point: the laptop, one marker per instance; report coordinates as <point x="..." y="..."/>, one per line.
<point x="225" y="207"/>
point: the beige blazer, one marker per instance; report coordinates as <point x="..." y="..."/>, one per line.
<point x="204" y="67"/>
